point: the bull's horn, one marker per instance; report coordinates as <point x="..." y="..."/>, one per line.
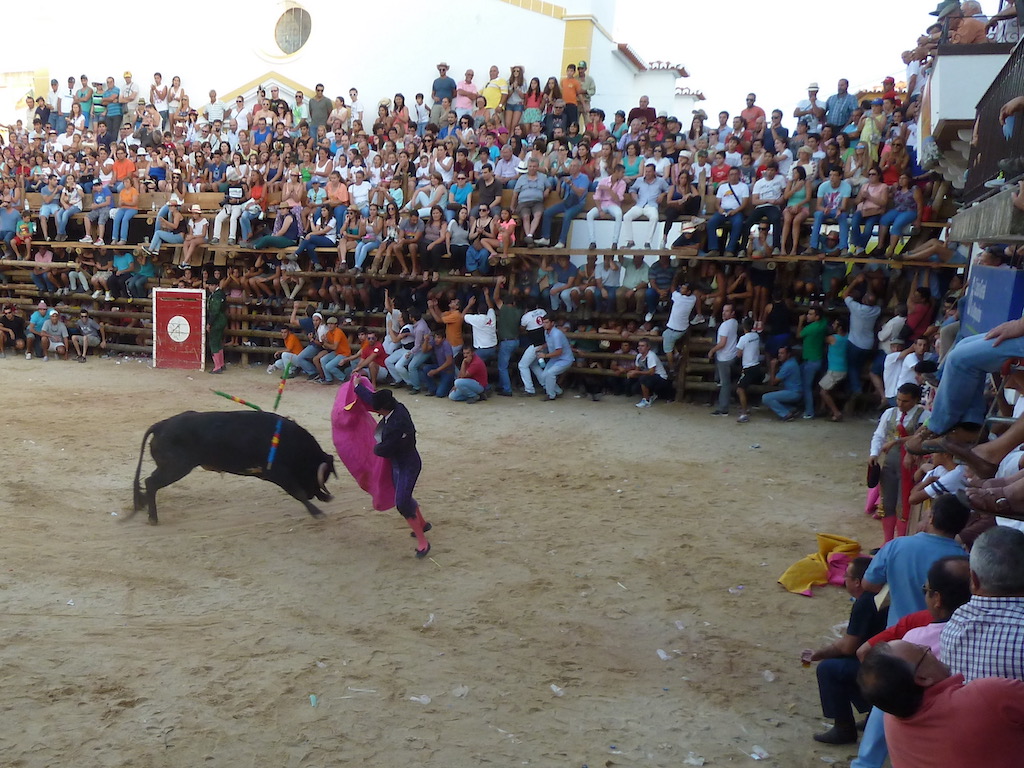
<point x="321" y="474"/>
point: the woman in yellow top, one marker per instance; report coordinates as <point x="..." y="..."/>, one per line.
<point x="872" y="126"/>
<point x="127" y="207"/>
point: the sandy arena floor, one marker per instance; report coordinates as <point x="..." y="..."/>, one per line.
<point x="571" y="542"/>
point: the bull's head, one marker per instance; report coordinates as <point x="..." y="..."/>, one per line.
<point x="325" y="469"/>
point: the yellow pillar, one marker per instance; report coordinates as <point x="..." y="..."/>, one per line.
<point x="41" y="83"/>
<point x="578" y="42"/>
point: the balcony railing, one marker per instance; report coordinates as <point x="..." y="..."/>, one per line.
<point x="989" y="145"/>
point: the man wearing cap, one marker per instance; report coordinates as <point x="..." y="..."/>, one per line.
<point x="53" y="336"/>
<point x="129" y="100"/>
<point x="647" y="192"/>
<point x="443" y="87"/>
<point x="889" y="92"/>
<point x="810" y="111"/>
<point x="589" y="88"/>
<point x="34" y="329"/>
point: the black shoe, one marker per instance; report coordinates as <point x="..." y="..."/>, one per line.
<point x="426" y="528"/>
<point x="421" y="553"/>
<point x="838" y="735"/>
<point x="505" y="394"/>
<point x="717" y="412"/>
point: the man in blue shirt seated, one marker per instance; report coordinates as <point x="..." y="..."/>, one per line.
<point x="785" y="400"/>
<point x="574" y="197"/>
<point x="556" y="357"/>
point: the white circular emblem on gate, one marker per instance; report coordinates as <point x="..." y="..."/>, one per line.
<point x="178" y="328"/>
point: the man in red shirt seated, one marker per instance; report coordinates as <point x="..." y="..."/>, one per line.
<point x="472" y="380"/>
<point x="933" y="718"/>
<point x="372" y="357"/>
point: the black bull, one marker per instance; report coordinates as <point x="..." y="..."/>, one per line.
<point x="238" y="442"/>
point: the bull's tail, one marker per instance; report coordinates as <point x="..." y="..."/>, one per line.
<point x="139" y="500"/>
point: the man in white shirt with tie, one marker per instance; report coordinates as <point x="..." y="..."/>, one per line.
<point x="895" y="426"/>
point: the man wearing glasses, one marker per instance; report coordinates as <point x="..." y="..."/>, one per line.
<point x="319" y="108"/>
<point x="934" y="718"/>
<point x="12" y="331"/>
<point x="239" y="114"/>
<point x="276" y="100"/>
<point x="355" y="105"/>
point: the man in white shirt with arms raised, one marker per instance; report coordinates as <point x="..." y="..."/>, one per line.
<point x="683" y="302"/>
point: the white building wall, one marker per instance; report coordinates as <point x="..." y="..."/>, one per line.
<point x="214" y="45"/>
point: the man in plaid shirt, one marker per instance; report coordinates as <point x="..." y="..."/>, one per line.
<point x="985" y="637"/>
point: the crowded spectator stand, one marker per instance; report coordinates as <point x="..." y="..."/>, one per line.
<point x="286" y="213"/>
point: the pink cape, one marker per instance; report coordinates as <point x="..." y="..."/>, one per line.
<point x="352" y="429"/>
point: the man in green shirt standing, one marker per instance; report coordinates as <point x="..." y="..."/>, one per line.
<point x="811" y="331"/>
<point x="507" y="325"/>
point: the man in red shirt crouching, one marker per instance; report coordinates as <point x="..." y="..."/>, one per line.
<point x="472" y="380"/>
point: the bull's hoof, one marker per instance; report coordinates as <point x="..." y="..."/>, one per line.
<point x="151" y="521"/>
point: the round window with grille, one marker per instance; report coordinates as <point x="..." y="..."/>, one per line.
<point x="292" y="30"/>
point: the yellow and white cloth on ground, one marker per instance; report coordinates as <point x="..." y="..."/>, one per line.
<point x="834" y="551"/>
